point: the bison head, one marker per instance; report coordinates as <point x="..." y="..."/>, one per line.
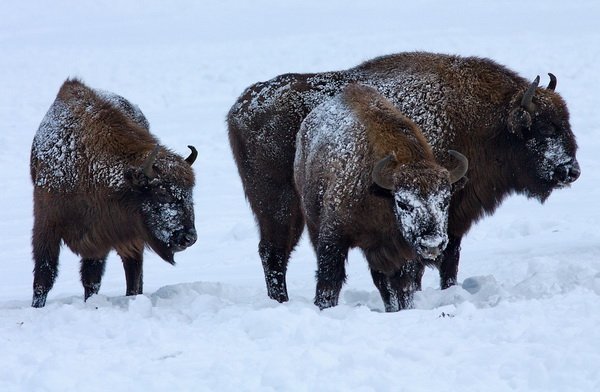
<point x="163" y="195"/>
<point x="421" y="193"/>
<point x="542" y="140"/>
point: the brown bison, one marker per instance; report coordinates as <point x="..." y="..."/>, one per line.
<point x="102" y="182"/>
<point x="517" y="137"/>
<point x="367" y="178"/>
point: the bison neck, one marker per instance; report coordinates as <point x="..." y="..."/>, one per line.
<point x="491" y="178"/>
<point x="380" y="239"/>
<point x="388" y="254"/>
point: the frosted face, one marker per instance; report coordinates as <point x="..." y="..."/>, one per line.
<point x="552" y="153"/>
<point x="169" y="215"/>
<point x="550" y="149"/>
<point x="423" y="220"/>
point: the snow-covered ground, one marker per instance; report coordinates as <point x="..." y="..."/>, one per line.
<point x="525" y="316"/>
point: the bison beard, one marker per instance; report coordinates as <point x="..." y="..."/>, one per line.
<point x="102" y="182"/>
<point x="517" y="137"/>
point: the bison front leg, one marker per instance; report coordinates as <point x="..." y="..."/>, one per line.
<point x="331" y="272"/>
<point x="133" y="266"/>
<point x="449" y="264"/>
<point x="389" y="296"/>
<point x="91" y="271"/>
<point x="46" y="248"/>
<point x="397" y="290"/>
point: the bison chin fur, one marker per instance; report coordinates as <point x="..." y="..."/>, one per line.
<point x="161" y="249"/>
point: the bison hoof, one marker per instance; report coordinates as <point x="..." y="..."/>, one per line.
<point x="447" y="283"/>
<point x="39" y="300"/>
<point x="391" y="308"/>
<point x="324" y="303"/>
<point x="279" y="296"/>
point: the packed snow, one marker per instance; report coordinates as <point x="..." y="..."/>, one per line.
<point x="524" y="315"/>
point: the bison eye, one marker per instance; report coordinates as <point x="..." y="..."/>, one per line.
<point x="547" y="130"/>
<point x="162" y="196"/>
<point x="404" y="206"/>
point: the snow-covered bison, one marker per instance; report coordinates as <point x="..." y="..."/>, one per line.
<point x="102" y="182"/>
<point x="517" y="137"/>
<point x="367" y="178"/>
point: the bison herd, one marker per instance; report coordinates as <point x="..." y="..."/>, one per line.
<point x="398" y="157"/>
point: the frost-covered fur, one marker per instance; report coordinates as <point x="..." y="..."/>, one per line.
<point x="468" y="104"/>
<point x="338" y="147"/>
<point x="92" y="193"/>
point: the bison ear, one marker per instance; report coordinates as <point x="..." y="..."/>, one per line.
<point x="519" y="121"/>
<point x="381" y="172"/>
<point x="460" y="184"/>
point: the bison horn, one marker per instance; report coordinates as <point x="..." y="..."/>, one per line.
<point x="463" y="165"/>
<point x="147" y="166"/>
<point x="526" y="102"/>
<point x="190" y="160"/>
<point x="552" y="84"/>
<point x="378" y="178"/>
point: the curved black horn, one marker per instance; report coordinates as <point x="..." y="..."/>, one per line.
<point x="463" y="165"/>
<point x="377" y="175"/>
<point x="552" y="84"/>
<point x="526" y="102"/>
<point x="147" y="165"/>
<point x="190" y="160"/>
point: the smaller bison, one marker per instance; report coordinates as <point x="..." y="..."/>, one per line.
<point x="102" y="182"/>
<point x="367" y="178"/>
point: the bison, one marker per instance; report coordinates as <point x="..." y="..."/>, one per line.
<point x="516" y="134"/>
<point x="367" y="178"/>
<point x="102" y="182"/>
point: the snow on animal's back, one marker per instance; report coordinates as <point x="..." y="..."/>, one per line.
<point x="332" y="133"/>
<point x="78" y="146"/>
<point x="54" y="149"/>
<point x="124" y="106"/>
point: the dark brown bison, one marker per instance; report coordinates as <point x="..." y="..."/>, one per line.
<point x="102" y="182"/>
<point x="517" y="137"/>
<point x="367" y="178"/>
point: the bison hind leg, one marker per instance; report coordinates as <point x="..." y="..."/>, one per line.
<point x="274" y="261"/>
<point x="91" y="271"/>
<point x="46" y="248"/>
<point x="280" y="230"/>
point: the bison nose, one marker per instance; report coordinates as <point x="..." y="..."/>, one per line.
<point x="186" y="238"/>
<point x="566" y="174"/>
<point x="574" y="172"/>
<point x="431" y="250"/>
<point x="431" y="246"/>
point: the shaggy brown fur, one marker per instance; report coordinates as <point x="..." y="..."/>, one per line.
<point x="347" y="147"/>
<point x="102" y="182"/>
<point x="382" y="121"/>
<point x="468" y="104"/>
